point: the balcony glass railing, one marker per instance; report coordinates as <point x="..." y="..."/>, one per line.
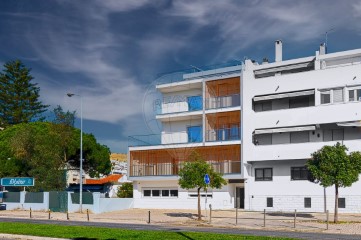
<point x="178" y="76"/>
<point x="223" y="101"/>
<point x="169" y="169"/>
<point x="223" y="134"/>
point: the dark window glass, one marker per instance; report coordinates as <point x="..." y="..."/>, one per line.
<point x="300" y="102"/>
<point x="351" y="95"/>
<point x="269" y="202"/>
<point x="299" y="173"/>
<point x="342" y="202"/>
<point x="325" y="97"/>
<point x="155" y="193"/>
<point x="307" y="202"/>
<point x="174" y="193"/>
<point x="146" y="193"/>
<point x="263" y="174"/>
<point x="165" y="193"/>
<point x="300" y="137"/>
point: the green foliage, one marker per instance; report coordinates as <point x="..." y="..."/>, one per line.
<point x="38" y="150"/>
<point x="125" y="190"/>
<point x="19" y="97"/>
<point x="192" y="176"/>
<point x="331" y="165"/>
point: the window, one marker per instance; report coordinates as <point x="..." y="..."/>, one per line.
<point x="166" y="193"/>
<point x="263" y="139"/>
<point x="269" y="202"/>
<point x="299" y="173"/>
<point x="354" y="95"/>
<point x="194" y="194"/>
<point x="300" y="137"/>
<point x="194" y="134"/>
<point x="194" y="103"/>
<point x="263" y="174"/>
<point x="299" y="102"/>
<point x="333" y="135"/>
<point x="263" y="106"/>
<point x="325" y="97"/>
<point x="307" y="202"/>
<point x="342" y="202"/>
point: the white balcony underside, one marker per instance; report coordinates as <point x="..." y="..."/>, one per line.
<point x="295" y="150"/>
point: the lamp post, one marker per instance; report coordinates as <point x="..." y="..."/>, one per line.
<point x="81" y="151"/>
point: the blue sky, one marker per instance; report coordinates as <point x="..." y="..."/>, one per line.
<point x="111" y="51"/>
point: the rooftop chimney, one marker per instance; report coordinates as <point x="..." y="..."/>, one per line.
<point x="322" y="49"/>
<point x="278" y="46"/>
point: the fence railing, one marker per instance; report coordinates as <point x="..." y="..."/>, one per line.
<point x="233" y="100"/>
<point x="168" y="169"/>
<point x="223" y="134"/>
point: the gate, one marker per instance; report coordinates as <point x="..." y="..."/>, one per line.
<point x="58" y="201"/>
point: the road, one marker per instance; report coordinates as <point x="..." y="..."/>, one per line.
<point x="294" y="234"/>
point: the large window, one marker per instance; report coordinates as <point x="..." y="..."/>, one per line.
<point x="263" y="174"/>
<point x="300" y="137"/>
<point x="194" y="134"/>
<point x="164" y="193"/>
<point x="332" y="96"/>
<point x="333" y="135"/>
<point x="299" y="173"/>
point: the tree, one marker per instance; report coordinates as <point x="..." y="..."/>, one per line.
<point x="125" y="190"/>
<point x="192" y="176"/>
<point x="331" y="165"/>
<point x="36" y="150"/>
<point x="19" y="97"/>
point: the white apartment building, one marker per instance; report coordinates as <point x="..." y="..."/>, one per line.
<point x="257" y="124"/>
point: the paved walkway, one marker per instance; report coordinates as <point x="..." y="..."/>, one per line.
<point x="305" y="222"/>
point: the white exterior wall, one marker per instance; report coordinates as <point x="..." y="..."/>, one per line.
<point x="289" y="195"/>
<point x="222" y="198"/>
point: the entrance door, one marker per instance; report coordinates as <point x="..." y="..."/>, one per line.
<point x="239" y="197"/>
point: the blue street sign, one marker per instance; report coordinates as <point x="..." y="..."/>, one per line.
<point x="17" y="182"/>
<point x="207" y="180"/>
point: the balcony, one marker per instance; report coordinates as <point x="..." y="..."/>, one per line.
<point x="169" y="169"/>
<point x="223" y="134"/>
<point x="233" y="100"/>
<point x="182" y="104"/>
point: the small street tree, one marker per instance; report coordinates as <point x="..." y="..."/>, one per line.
<point x="125" y="190"/>
<point x="331" y="165"/>
<point x="19" y="96"/>
<point x="192" y="176"/>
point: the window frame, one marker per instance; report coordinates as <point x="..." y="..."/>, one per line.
<point x="269" y="202"/>
<point x="160" y="192"/>
<point x="300" y="168"/>
<point x="307" y="202"/>
<point x="263" y="178"/>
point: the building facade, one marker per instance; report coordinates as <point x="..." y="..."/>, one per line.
<point x="257" y="124"/>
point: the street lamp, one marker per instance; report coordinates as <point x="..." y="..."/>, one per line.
<point x="81" y="151"/>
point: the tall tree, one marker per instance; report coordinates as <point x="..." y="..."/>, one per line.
<point x="19" y="96"/>
<point x="331" y="165"/>
<point x="192" y="176"/>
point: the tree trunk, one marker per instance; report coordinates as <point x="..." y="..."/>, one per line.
<point x="199" y="204"/>
<point x="336" y="204"/>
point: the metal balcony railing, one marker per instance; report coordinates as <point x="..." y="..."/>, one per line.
<point x="169" y="169"/>
<point x="233" y="100"/>
<point x="223" y="134"/>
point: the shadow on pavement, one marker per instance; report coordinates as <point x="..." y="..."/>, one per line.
<point x="278" y="214"/>
<point x="188" y="215"/>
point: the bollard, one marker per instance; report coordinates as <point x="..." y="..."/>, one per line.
<point x="264" y="217"/>
<point x="327" y="212"/>
<point x="294" y="221"/>
<point x="87" y="213"/>
<point x="30" y="213"/>
<point x="67" y="215"/>
<point x="148" y="216"/>
<point x="210" y="213"/>
<point x="49" y="214"/>
<point x="236" y="215"/>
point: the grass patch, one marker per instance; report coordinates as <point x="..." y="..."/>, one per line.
<point x="83" y="232"/>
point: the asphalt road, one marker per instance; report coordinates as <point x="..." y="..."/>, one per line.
<point x="295" y="234"/>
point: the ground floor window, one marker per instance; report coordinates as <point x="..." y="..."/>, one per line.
<point x="342" y="202"/>
<point x="194" y="194"/>
<point x="269" y="202"/>
<point x="307" y="202"/>
<point x="160" y="193"/>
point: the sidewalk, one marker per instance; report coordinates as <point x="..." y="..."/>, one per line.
<point x="305" y="222"/>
